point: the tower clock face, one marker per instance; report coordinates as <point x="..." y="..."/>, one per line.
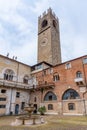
<point x="44" y="42"/>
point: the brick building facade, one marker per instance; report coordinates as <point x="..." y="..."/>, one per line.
<point x="60" y="87"/>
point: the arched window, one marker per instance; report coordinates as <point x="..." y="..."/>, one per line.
<point x="54" y="23"/>
<point x="78" y="74"/>
<point x="44" y="23"/>
<point x="50" y="96"/>
<point x="56" y="77"/>
<point x="8" y="75"/>
<point x="71" y="106"/>
<point x="70" y="94"/>
<point x="50" y="106"/>
<point x="25" y="80"/>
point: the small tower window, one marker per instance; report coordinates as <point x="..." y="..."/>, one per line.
<point x="44" y="23"/>
<point x="54" y="23"/>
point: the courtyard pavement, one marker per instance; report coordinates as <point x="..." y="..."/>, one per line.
<point x="52" y="123"/>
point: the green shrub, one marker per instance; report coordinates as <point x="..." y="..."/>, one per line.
<point x="42" y="110"/>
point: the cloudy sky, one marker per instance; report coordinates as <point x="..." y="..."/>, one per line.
<point x="18" y="27"/>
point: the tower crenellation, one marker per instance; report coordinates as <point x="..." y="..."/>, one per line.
<point x="48" y="12"/>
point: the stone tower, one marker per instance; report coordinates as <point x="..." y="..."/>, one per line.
<point x="49" y="38"/>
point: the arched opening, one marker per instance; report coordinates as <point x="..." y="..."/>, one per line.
<point x="78" y="74"/>
<point x="25" y="79"/>
<point x="54" y="23"/>
<point x="16" y="108"/>
<point x="44" y="23"/>
<point x="8" y="74"/>
<point x="70" y="94"/>
<point x="50" y="96"/>
<point x="56" y="77"/>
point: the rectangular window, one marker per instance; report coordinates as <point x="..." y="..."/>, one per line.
<point x="17" y="94"/>
<point x="22" y="105"/>
<point x="85" y="60"/>
<point x="2" y="106"/>
<point x="38" y="67"/>
<point x="3" y="91"/>
<point x="56" y="78"/>
<point x="25" y="81"/>
<point x="67" y="65"/>
<point x="71" y="106"/>
<point x="2" y="99"/>
<point x="50" y="106"/>
<point x="50" y="70"/>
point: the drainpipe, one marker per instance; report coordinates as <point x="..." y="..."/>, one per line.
<point x="84" y="102"/>
<point x="86" y="88"/>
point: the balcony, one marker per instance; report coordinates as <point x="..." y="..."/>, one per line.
<point x="79" y="79"/>
<point x="49" y="85"/>
<point x="32" y="85"/>
<point x="14" y="84"/>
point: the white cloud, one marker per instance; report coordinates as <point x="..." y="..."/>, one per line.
<point x="18" y="27"/>
<point x="7" y="5"/>
<point x="41" y="5"/>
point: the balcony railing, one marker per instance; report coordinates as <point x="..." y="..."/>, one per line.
<point x="79" y="79"/>
<point x="29" y="86"/>
<point x="48" y="85"/>
<point x="13" y="84"/>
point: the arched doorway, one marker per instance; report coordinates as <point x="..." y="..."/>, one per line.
<point x="16" y="109"/>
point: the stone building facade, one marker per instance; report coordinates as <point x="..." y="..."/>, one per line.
<point x="60" y="87"/>
<point x="13" y="85"/>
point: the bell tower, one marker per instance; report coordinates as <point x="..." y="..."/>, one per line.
<point x="49" y="38"/>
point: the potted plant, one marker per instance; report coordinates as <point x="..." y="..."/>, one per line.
<point x="42" y="110"/>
